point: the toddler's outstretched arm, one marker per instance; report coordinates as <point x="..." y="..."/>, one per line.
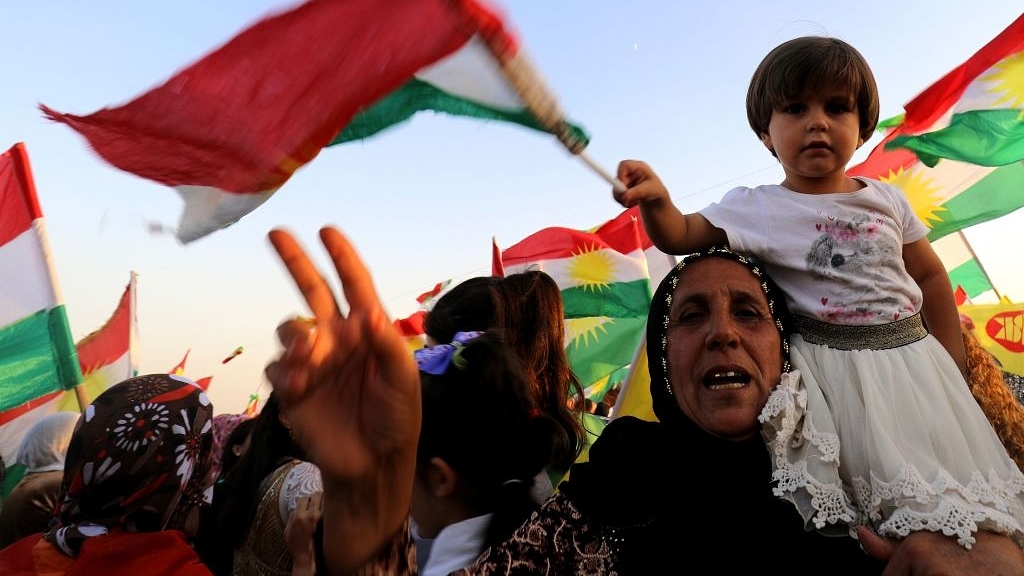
<point x="671" y="231"/>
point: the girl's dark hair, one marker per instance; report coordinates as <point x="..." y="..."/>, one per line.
<point x="527" y="308"/>
<point x="224" y="525"/>
<point x="481" y="418"/>
<point x="811" y="63"/>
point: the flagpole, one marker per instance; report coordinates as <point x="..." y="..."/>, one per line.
<point x="963" y="238"/>
<point x="617" y="184"/>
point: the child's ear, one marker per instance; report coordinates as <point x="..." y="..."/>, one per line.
<point x="441" y="478"/>
<point x="767" y="141"/>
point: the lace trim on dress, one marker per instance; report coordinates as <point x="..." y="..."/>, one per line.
<point x="908" y="503"/>
<point x="792" y="441"/>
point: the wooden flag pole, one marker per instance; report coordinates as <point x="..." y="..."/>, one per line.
<point x="80" y="395"/>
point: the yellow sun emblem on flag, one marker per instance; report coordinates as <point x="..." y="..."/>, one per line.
<point x="592" y="268"/>
<point x="582" y="332"/>
<point x="920" y="193"/>
<point x="1008" y="76"/>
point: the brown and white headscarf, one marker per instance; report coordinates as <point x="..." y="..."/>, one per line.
<point x="139" y="461"/>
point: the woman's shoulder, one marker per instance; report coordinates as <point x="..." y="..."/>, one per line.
<point x="551" y="541"/>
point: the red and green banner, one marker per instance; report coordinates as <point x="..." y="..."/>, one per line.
<point x="229" y="130"/>
<point x="38" y="361"/>
<point x="958" y="151"/>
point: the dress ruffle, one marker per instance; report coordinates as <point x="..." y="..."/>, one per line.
<point x="862" y="444"/>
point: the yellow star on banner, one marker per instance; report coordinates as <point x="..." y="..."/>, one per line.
<point x="592" y="268"/>
<point x="920" y="193"/>
<point x="1008" y="76"/>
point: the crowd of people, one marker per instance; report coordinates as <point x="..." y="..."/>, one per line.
<point x="816" y="406"/>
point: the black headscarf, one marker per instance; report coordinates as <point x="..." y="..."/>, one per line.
<point x="671" y="496"/>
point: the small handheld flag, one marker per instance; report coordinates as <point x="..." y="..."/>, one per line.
<point x="237" y="351"/>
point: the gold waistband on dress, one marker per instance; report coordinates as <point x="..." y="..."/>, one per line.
<point x="873" y="337"/>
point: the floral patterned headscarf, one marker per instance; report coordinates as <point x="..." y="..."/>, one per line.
<point x="223" y="426"/>
<point x="139" y="461"/>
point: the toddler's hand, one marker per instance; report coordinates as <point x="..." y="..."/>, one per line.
<point x="643" y="185"/>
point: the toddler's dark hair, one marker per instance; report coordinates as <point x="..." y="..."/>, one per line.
<point x="811" y="63"/>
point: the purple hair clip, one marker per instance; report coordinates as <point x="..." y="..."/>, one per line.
<point x="435" y="359"/>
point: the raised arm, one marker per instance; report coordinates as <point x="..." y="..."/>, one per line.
<point x="350" y="388"/>
<point x="672" y="231"/>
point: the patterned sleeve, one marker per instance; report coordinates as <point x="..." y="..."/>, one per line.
<point x="556" y="540"/>
<point x="302" y="480"/>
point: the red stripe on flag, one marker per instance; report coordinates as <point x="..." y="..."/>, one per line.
<point x="926" y="108"/>
<point x="110" y="342"/>
<point x="960" y="295"/>
<point x="621" y="234"/>
<point x="8" y="415"/>
<point x="411" y="326"/>
<point x="18" y="202"/>
<point x="179" y="370"/>
<point x="497" y="263"/>
<point x="246" y="116"/>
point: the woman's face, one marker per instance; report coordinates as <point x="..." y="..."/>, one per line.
<point x="724" y="351"/>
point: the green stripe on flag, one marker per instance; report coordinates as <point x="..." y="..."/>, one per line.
<point x="617" y="300"/>
<point x="416" y="96"/>
<point x="995" y="195"/>
<point x="605" y="346"/>
<point x="982" y="137"/>
<point x="970" y="277"/>
<point x="37" y="356"/>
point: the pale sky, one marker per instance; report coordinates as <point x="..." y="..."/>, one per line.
<point x="661" y="81"/>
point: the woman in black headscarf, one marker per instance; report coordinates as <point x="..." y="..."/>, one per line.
<point x="690" y="493"/>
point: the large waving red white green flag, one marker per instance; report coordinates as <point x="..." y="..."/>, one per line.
<point x="957" y="151"/>
<point x="38" y="361"/>
<point x="228" y="131"/>
<point x="109" y="354"/>
<point x="606" y="291"/>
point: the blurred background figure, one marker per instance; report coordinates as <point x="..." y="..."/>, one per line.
<point x="242" y="532"/>
<point x="223" y="426"/>
<point x="30" y="505"/>
<point x="235" y="445"/>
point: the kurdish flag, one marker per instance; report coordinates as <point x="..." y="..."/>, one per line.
<point x="38" y="361"/>
<point x="958" y="151"/>
<point x="228" y="131"/>
<point x="606" y="291"/>
<point x="963" y="267"/>
<point x="109" y="354"/>
<point x="1000" y="328"/>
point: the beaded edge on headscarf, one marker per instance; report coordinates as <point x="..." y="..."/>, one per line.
<point x="755" y="269"/>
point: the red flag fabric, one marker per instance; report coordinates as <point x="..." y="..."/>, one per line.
<point x="230" y="129"/>
<point x="497" y="264"/>
<point x="179" y="370"/>
<point x="960" y="295"/>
